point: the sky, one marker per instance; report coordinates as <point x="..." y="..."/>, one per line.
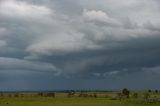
<point x="79" y="44"/>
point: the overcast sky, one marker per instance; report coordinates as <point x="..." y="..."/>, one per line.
<point x="79" y="44"/>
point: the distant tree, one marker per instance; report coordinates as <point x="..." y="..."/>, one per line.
<point x="149" y="90"/>
<point x="126" y="92"/>
<point x="156" y="91"/>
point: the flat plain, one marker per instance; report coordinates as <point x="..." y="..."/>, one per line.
<point x="62" y="99"/>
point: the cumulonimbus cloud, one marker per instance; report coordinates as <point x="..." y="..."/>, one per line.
<point x="110" y="32"/>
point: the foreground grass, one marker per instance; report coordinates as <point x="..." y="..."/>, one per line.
<point x="63" y="101"/>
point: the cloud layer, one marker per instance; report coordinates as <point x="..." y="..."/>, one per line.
<point x="75" y="40"/>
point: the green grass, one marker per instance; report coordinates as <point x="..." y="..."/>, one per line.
<point x="62" y="100"/>
<point x="46" y="101"/>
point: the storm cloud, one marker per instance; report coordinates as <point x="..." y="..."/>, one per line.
<point x="79" y="41"/>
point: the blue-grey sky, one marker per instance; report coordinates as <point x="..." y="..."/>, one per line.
<point x="79" y="44"/>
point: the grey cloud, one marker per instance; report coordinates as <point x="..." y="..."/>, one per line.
<point x="2" y="43"/>
<point x="100" y="17"/>
<point x="17" y="64"/>
<point x="92" y="40"/>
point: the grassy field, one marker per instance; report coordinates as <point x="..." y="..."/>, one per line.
<point x="61" y="99"/>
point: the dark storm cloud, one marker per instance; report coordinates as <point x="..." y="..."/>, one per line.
<point x="100" y="41"/>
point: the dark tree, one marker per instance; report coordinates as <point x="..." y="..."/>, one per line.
<point x="149" y="91"/>
<point x="126" y="92"/>
<point x="156" y="91"/>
